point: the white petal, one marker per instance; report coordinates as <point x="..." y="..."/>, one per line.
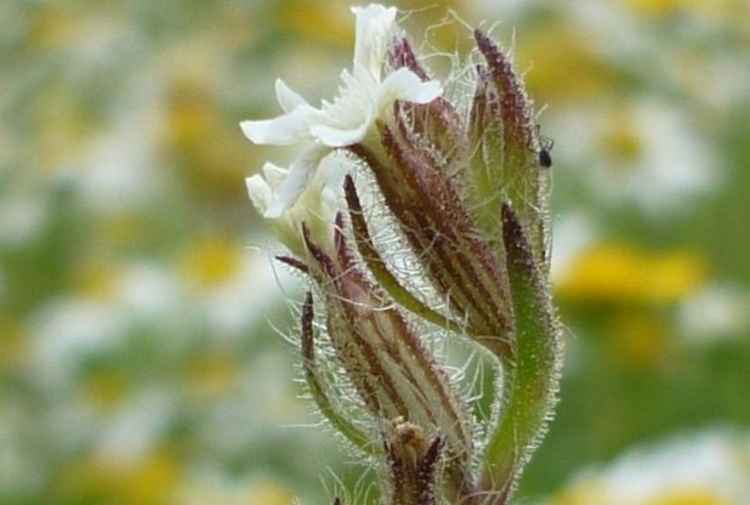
<point x="284" y="130"/>
<point x="333" y="169"/>
<point x="361" y="80"/>
<point x="287" y="98"/>
<point x="260" y="193"/>
<point x="375" y="26"/>
<point x="299" y="176"/>
<point x="403" y="84"/>
<point x="340" y="137"/>
<point x="275" y="175"/>
<point x="351" y="107"/>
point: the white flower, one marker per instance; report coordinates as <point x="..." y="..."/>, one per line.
<point x="715" y="312"/>
<point x="315" y="205"/>
<point x="671" y="162"/>
<point x="363" y="98"/>
<point x="708" y="467"/>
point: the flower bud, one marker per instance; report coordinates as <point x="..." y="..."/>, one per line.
<point x="394" y="374"/>
<point x="436" y="125"/>
<point x="506" y="166"/>
<point x="315" y="207"/>
<point x="428" y="207"/>
<point x="412" y="464"/>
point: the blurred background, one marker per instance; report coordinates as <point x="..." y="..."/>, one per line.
<point x="140" y="361"/>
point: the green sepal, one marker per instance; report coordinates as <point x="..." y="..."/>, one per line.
<point x="532" y="373"/>
<point x="356" y="436"/>
<point x="380" y="271"/>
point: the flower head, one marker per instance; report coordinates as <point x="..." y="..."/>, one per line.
<point x="365" y="94"/>
<point x="463" y="195"/>
<point x="315" y="205"/>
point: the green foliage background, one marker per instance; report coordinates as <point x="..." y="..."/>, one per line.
<point x="138" y="358"/>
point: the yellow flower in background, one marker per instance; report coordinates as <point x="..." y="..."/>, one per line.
<point x="211" y="262"/>
<point x="53" y="26"/>
<point x="622" y="273"/>
<point x="687" y="496"/>
<point x="704" y="8"/>
<point x="214" y="491"/>
<point x="98" y="281"/>
<point x="269" y="493"/>
<point x="640" y="340"/>
<point x="150" y="480"/>
<point x="196" y="135"/>
<point x="13" y="342"/>
<point x="657" y="7"/>
<point x="581" y="493"/>
<point x="190" y="69"/>
<point x="121" y="229"/>
<point x="591" y="494"/>
<point x="235" y="26"/>
<point x="621" y="138"/>
<point x="210" y="375"/>
<point x="153" y="482"/>
<point x="64" y="128"/>
<point x="190" y="118"/>
<point x="106" y="389"/>
<point x="556" y="53"/>
<point x="306" y="17"/>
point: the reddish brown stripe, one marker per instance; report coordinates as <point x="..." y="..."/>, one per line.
<point x="347" y="360"/>
<point x="323" y="260"/>
<point x="409" y="226"/>
<point x="451" y="267"/>
<point x="294" y="263"/>
<point x="395" y="355"/>
<point x="417" y="184"/>
<point x="433" y="376"/>
<point x="376" y="370"/>
<point x="423" y="180"/>
<point x="308" y="338"/>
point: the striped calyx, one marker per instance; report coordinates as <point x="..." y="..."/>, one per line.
<point x="441" y="231"/>
<point x="394" y="374"/>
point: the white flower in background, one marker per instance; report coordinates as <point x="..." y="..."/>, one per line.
<point x="22" y="219"/>
<point x="21" y="471"/>
<point x="675" y="163"/>
<point x="118" y="172"/>
<point x="574" y="231"/>
<point x="260" y="405"/>
<point x="716" y="312"/>
<point x="210" y="485"/>
<point x="710" y="468"/>
<point x="235" y="307"/>
<point x="136" y="427"/>
<point x="64" y="332"/>
<point x="363" y="97"/>
<point x="67" y="330"/>
<point x="149" y="292"/>
<point x="670" y="161"/>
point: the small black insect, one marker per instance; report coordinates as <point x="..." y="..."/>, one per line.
<point x="545" y="159"/>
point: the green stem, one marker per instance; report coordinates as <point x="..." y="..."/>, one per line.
<point x="532" y="373"/>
